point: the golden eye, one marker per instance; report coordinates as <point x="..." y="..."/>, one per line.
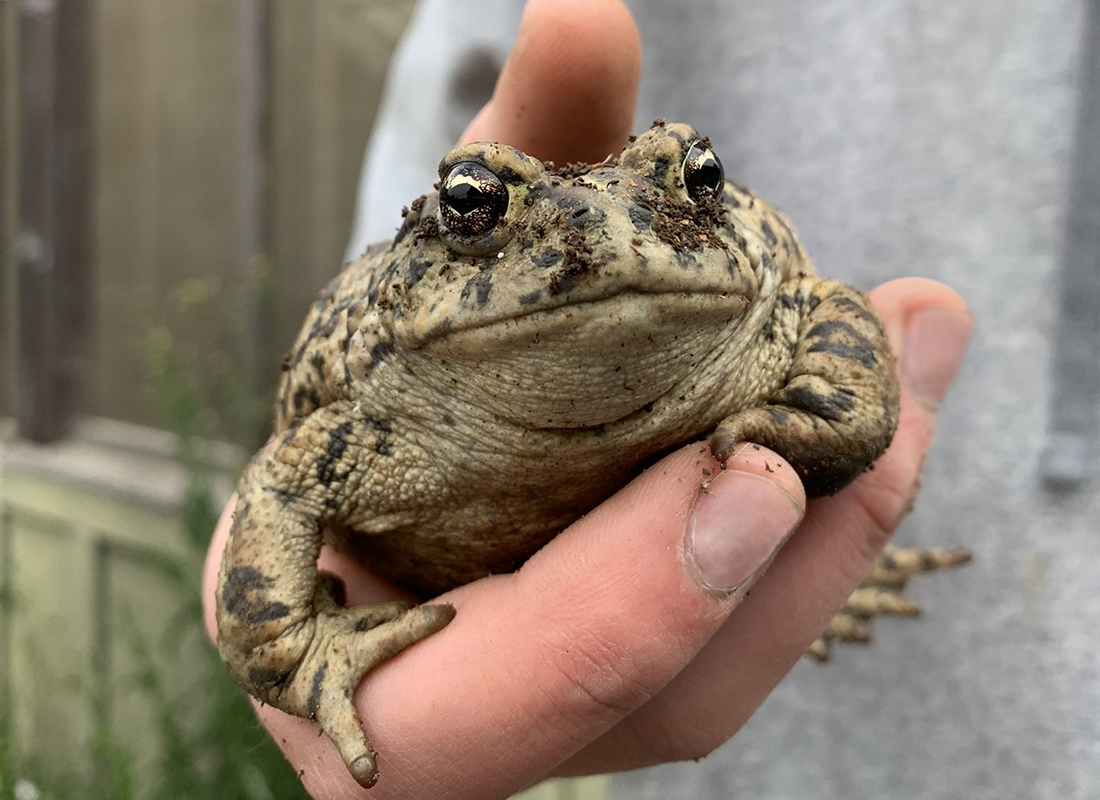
<point x="472" y="200"/>
<point x="703" y="173"/>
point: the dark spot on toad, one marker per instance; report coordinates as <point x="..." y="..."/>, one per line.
<point x="334" y="450"/>
<point x="567" y="202"/>
<point x="789" y="239"/>
<point x="264" y="676"/>
<point x="769" y="234"/>
<point x="852" y="307"/>
<point x="243" y="596"/>
<point x="673" y="134"/>
<point x="305" y="398"/>
<point x="382" y="431"/>
<point x="313" y="702"/>
<point x="686" y="260"/>
<point x="530" y="298"/>
<point x="832" y="406"/>
<point x="547" y="258"/>
<point x="481" y="284"/>
<point x="380" y="352"/>
<point x="641" y="216"/>
<point x="778" y="415"/>
<point x="509" y="175"/>
<point x="841" y="339"/>
<point x="660" y="168"/>
<point x="415" y="271"/>
<point x="284" y="496"/>
<point x="537" y="192"/>
<point x="559" y="285"/>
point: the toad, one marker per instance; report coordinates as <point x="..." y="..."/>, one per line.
<point x="529" y="339"/>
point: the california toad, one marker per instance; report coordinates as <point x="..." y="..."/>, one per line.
<point x="530" y="337"/>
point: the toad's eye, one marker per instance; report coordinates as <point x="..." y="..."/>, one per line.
<point x="472" y="199"/>
<point x="703" y="173"/>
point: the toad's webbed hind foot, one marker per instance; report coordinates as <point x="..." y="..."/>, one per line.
<point x="347" y="643"/>
<point x="882" y="592"/>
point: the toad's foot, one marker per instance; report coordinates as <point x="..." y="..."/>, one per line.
<point x="883" y="592"/>
<point x="345" y="644"/>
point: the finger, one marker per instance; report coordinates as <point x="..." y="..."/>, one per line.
<point x="540" y="662"/>
<point x="929" y="328"/>
<point x="567" y="91"/>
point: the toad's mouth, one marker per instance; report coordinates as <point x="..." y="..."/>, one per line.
<point x="587" y="363"/>
<point x="630" y="311"/>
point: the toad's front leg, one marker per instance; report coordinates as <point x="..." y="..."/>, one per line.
<point x="281" y="630"/>
<point x="837" y="408"/>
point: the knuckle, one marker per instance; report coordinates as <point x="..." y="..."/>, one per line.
<point x="600" y="678"/>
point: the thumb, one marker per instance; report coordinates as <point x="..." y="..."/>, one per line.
<point x="567" y="91"/>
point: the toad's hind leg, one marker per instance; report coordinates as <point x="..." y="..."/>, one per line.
<point x="882" y="592"/>
<point x="836" y="406"/>
<point x="282" y="632"/>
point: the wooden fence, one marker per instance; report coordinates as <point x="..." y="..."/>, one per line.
<point x="216" y="146"/>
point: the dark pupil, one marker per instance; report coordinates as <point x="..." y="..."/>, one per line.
<point x="707" y="172"/>
<point x="472" y="200"/>
<point x="465" y="197"/>
<point x="703" y="172"/>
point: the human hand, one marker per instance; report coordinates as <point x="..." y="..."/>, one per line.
<point x="607" y="650"/>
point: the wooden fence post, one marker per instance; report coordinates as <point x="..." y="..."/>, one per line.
<point x="253" y="218"/>
<point x="8" y="53"/>
<point x="53" y="245"/>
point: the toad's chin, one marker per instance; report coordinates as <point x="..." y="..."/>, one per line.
<point x="591" y="363"/>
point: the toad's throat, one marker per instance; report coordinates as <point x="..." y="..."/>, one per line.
<point x="587" y="364"/>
